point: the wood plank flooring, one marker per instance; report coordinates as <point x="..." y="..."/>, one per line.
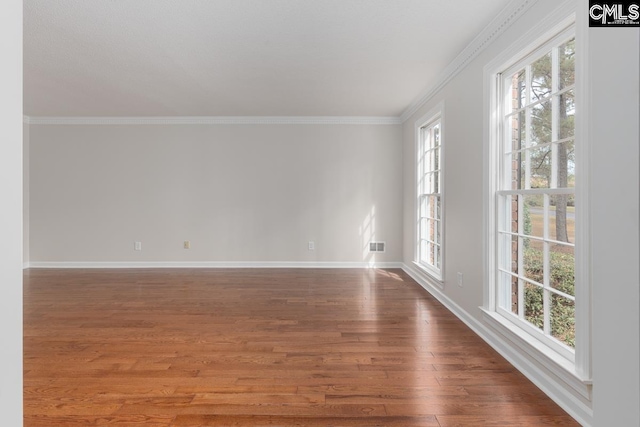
<point x="273" y="347"/>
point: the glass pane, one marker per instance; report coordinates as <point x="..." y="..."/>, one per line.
<point x="514" y="295"/>
<point x="540" y="164"/>
<point x="533" y="265"/>
<point x="567" y="103"/>
<point x="566" y="56"/>
<point x="518" y="125"/>
<point x="424" y="251"/>
<point x="566" y="165"/>
<point x="508" y="292"/>
<point x="515" y="248"/>
<point x="426" y="138"/>
<point x="562" y="268"/>
<point x="436" y="135"/>
<point x="429" y="165"/>
<point x="437" y="256"/>
<point x="430" y="254"/>
<point x="562" y="218"/>
<point x="534" y="305"/>
<point x="517" y="170"/>
<point x="437" y="232"/>
<point x="509" y="252"/>
<point x="513" y="214"/>
<point x="541" y="78"/>
<point x="518" y="90"/>
<point x="424" y="228"/>
<point x="563" y="319"/>
<point x="541" y="123"/>
<point x="533" y="221"/>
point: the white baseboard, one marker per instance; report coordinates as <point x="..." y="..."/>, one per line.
<point x="215" y="264"/>
<point x="551" y="385"/>
<point x="26" y="265"/>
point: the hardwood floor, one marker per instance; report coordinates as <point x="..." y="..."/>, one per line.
<point x="260" y="348"/>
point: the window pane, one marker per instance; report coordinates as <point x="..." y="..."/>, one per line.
<point x="518" y="90"/>
<point x="424" y="251"/>
<point x="566" y="165"/>
<point x="509" y="257"/>
<point x="424" y="228"/>
<point x="533" y="305"/>
<point x="518" y="125"/>
<point x="562" y="268"/>
<point x="436" y="135"/>
<point x="563" y="319"/>
<point x="513" y="214"/>
<point x="514" y="295"/>
<point x="562" y="218"/>
<point x="541" y="123"/>
<point x="518" y="170"/>
<point x="541" y="78"/>
<point x="508" y="293"/>
<point x="533" y="268"/>
<point x="540" y="164"/>
<point x="533" y="221"/>
<point x="567" y="103"/>
<point x="430" y="254"/>
<point x="566" y="56"/>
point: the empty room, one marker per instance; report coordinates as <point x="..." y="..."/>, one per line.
<point x="320" y="213"/>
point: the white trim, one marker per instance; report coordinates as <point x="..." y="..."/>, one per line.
<point x="418" y="271"/>
<point x="500" y="23"/>
<point x="582" y="200"/>
<point x="26" y="265"/>
<point x="212" y="264"/>
<point x="548" y="380"/>
<point x="436" y="113"/>
<point x="26" y="120"/>
<point x="216" y="120"/>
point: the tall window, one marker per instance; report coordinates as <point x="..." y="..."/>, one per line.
<point x="535" y="214"/>
<point x="430" y="196"/>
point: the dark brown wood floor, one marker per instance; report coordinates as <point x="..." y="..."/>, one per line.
<point x="260" y="347"/>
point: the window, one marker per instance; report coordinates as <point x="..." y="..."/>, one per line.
<point x="429" y="189"/>
<point x="534" y="268"/>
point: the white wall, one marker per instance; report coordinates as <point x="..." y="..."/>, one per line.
<point x="614" y="58"/>
<point x="11" y="213"/>
<point x="239" y="193"/>
<point x="613" y="64"/>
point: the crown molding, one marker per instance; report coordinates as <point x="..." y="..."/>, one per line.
<point x="496" y="27"/>
<point x="216" y="120"/>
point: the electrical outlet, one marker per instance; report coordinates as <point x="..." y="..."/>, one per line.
<point x="137" y="246"/>
<point x="460" y="279"/>
<point x="312" y="245"/>
<point x="187" y="244"/>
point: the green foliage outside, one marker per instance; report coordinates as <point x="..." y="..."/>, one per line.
<point x="562" y="279"/>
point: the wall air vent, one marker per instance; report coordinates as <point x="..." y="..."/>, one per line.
<point x="376" y="246"/>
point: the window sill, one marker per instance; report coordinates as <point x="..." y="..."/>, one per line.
<point x="558" y="365"/>
<point x="428" y="275"/>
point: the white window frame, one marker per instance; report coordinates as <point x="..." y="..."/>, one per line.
<point x="574" y="370"/>
<point x="433" y="117"/>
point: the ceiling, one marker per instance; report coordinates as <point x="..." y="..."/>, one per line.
<point x="240" y="57"/>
